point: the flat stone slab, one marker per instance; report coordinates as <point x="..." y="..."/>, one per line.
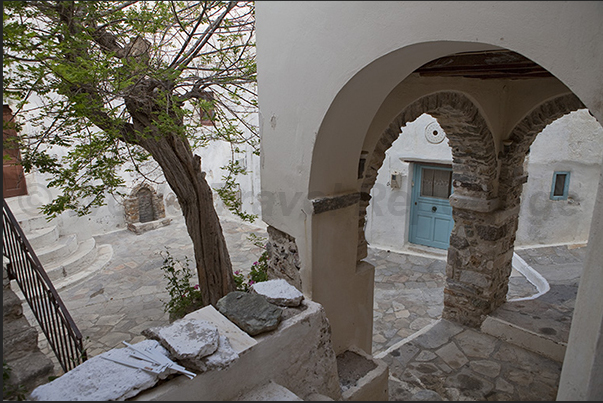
<point x="440" y="334"/>
<point x="469" y="384"/>
<point x="100" y="379"/>
<point x="186" y="339"/>
<point x="251" y="312"/>
<point x="278" y="292"/>
<point x="238" y="339"/>
<point x="220" y="359"/>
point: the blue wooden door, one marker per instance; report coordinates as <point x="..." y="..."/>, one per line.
<point x="430" y="213"/>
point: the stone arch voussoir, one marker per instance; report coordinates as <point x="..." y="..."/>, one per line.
<point x="512" y="175"/>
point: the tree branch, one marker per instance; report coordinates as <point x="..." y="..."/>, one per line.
<point x="181" y="64"/>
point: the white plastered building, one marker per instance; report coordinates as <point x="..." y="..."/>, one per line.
<point x="338" y="81"/>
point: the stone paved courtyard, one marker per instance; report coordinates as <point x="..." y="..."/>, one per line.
<point x="117" y="303"/>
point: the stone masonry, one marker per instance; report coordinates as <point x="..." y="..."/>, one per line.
<point x="144" y="209"/>
<point x="29" y="366"/>
<point x="283" y="259"/>
<point x="485" y="201"/>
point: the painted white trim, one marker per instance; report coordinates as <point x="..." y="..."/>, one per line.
<point x="532" y="276"/>
<point x="407" y="339"/>
<point x="416" y="250"/>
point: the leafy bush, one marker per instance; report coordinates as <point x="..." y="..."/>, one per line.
<point x="259" y="268"/>
<point x="10" y="391"/>
<point x="184" y="297"/>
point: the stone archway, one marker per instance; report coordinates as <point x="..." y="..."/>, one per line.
<point x="477" y="275"/>
<point x="485" y="201"/>
<point x="144" y="209"/>
<point x="513" y="155"/>
<point x="459" y="117"/>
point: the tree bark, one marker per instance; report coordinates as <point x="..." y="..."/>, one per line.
<point x="182" y="170"/>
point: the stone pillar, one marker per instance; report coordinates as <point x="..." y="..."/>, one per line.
<point x="131" y="209"/>
<point x="583" y="364"/>
<point x="339" y="282"/>
<point x="479" y="259"/>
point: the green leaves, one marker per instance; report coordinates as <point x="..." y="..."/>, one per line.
<point x="230" y="192"/>
<point x="184" y="297"/>
<point x="11" y="391"/>
<point x="259" y="269"/>
<point x="85" y="174"/>
<point x="95" y="79"/>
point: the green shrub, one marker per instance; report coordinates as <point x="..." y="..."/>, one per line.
<point x="9" y="390"/>
<point x="184" y="297"/>
<point x="259" y="268"/>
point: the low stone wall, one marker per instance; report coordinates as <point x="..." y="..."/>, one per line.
<point x="297" y="356"/>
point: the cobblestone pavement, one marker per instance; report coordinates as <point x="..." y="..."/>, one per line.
<point x="447" y="361"/>
<point x="429" y="358"/>
<point x="454" y="362"/>
<point x="409" y="293"/>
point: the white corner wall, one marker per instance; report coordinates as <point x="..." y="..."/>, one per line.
<point x="313" y="57"/>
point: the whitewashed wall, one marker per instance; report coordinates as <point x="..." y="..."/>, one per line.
<point x="573" y="143"/>
<point x="388" y="213"/>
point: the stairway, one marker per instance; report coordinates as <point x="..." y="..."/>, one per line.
<point x="541" y="323"/>
<point x="66" y="258"/>
<point x="29" y="366"/>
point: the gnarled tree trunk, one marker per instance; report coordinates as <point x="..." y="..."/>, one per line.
<point x="182" y="170"/>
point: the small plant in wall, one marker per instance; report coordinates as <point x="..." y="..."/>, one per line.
<point x="9" y="390"/>
<point x="259" y="268"/>
<point x="184" y="297"/>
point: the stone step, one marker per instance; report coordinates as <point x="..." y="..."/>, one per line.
<point x="103" y="255"/>
<point x="43" y="237"/>
<point x="522" y="336"/>
<point x="31" y="371"/>
<point x="19" y="338"/>
<point x="78" y="260"/>
<point x="540" y="323"/>
<point x="57" y="252"/>
<point x="31" y="223"/>
<point x="11" y="305"/>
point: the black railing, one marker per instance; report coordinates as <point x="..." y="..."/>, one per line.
<point x="25" y="268"/>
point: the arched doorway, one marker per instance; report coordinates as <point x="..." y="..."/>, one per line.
<point x="146" y="211"/>
<point x="480" y="248"/>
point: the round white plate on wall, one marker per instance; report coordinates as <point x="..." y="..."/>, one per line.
<point x="434" y="133"/>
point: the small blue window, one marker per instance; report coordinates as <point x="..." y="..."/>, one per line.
<point x="560" y="185"/>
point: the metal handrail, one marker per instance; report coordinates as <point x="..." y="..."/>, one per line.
<point x="25" y="268"/>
